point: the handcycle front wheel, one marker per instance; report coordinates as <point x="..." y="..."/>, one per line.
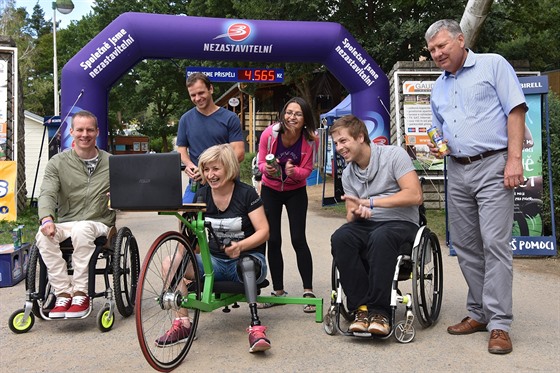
<point x="161" y="287"/>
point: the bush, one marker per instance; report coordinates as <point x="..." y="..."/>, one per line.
<point x="156" y="144"/>
<point x="554" y="123"/>
<point x="28" y="217"/>
<point x="246" y="171"/>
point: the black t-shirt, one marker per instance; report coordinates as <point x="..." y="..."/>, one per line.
<point x="234" y="222"/>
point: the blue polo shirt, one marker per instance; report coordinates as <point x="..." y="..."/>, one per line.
<point x="198" y="132"/>
<point x="471" y="107"/>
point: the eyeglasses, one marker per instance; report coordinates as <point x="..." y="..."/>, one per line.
<point x="296" y="113"/>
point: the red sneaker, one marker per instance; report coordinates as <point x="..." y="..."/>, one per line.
<point x="257" y="339"/>
<point x="60" y="307"/>
<point x="79" y="307"/>
<point x="176" y="334"/>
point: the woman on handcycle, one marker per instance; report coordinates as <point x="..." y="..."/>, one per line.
<point x="239" y="223"/>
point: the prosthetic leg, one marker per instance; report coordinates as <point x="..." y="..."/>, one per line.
<point x="249" y="268"/>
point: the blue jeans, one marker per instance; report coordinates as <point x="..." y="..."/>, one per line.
<point x="188" y="197"/>
<point x="226" y="269"/>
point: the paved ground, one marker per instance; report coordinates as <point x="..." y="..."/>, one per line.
<point x="299" y="344"/>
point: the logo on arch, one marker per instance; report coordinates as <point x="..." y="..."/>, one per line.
<point x="239" y="31"/>
<point x="236" y="32"/>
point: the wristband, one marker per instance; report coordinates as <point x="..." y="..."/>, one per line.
<point x="46" y="221"/>
<point x="371" y="202"/>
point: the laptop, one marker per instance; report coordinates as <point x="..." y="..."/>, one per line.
<point x="148" y="182"/>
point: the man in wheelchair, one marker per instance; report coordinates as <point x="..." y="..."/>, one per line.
<point x="74" y="190"/>
<point x="382" y="194"/>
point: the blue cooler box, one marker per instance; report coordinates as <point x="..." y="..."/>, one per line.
<point x="13" y="264"/>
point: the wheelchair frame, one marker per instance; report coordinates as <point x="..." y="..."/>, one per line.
<point x="158" y="296"/>
<point x="424" y="267"/>
<point x="122" y="261"/>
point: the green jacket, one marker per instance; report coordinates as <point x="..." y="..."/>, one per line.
<point x="70" y="194"/>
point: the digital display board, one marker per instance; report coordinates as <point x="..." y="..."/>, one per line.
<point x="234" y="74"/>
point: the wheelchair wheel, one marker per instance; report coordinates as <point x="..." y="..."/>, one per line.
<point x="37" y="283"/>
<point x="335" y="283"/>
<point x="126" y="267"/>
<point x="105" y="320"/>
<point x="427" y="277"/>
<point x="16" y="323"/>
<point x="404" y="334"/>
<point x="159" y="296"/>
<point x="328" y="324"/>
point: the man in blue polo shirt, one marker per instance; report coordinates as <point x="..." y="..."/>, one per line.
<point x="204" y="126"/>
<point x="479" y="107"/>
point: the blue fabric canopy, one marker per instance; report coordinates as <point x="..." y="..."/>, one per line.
<point x="340" y="110"/>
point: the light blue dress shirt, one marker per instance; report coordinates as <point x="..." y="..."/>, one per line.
<point x="471" y="107"/>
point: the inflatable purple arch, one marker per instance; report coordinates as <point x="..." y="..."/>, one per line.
<point x="133" y="37"/>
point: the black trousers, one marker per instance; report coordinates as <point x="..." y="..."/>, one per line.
<point x="365" y="253"/>
<point x="296" y="206"/>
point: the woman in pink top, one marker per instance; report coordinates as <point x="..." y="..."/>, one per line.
<point x="293" y="143"/>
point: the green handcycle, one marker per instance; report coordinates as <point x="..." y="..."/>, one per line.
<point x="160" y="294"/>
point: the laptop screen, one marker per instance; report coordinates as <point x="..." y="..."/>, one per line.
<point x="150" y="182"/>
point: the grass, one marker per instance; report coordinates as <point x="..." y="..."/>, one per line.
<point x="28" y="218"/>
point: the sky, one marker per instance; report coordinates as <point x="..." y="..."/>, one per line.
<point x="81" y="8"/>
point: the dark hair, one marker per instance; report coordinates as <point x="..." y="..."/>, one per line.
<point x="308" y="118"/>
<point x="85" y="114"/>
<point x="194" y="77"/>
<point x="353" y="124"/>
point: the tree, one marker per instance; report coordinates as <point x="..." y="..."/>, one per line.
<point x="14" y="22"/>
<point x="163" y="83"/>
<point x="392" y="31"/>
<point x="522" y="30"/>
<point x="389" y="31"/>
<point x="554" y="114"/>
<point x="298" y="75"/>
<point x="37" y="22"/>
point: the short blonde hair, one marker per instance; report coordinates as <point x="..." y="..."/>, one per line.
<point x="223" y="154"/>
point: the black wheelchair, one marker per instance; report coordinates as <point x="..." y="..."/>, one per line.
<point x="118" y="252"/>
<point x="424" y="267"/>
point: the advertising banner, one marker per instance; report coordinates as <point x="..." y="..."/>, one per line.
<point x="53" y="126"/>
<point x="8" y="172"/>
<point x="528" y="233"/>
<point x="3" y="108"/>
<point x="417" y="120"/>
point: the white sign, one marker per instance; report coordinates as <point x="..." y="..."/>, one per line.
<point x="234" y="101"/>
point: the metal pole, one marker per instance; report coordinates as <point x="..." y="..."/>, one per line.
<point x="55" y="64"/>
<point x="31" y="203"/>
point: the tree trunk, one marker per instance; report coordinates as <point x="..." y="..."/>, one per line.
<point x="473" y="18"/>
